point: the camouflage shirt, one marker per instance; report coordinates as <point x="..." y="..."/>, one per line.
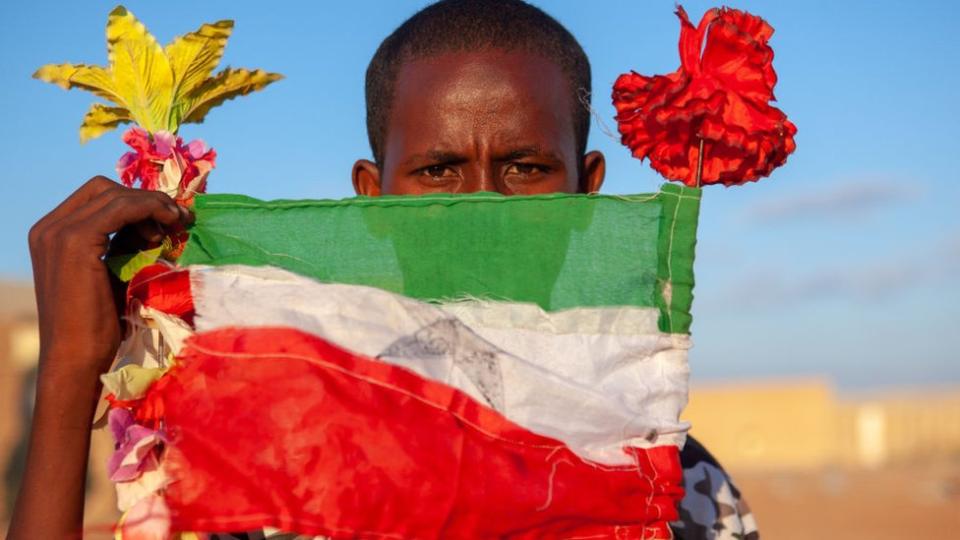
<point x="712" y="507"/>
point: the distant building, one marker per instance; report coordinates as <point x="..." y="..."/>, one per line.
<point x="802" y="424"/>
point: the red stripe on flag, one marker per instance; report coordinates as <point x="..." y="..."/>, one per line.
<point x="276" y="427"/>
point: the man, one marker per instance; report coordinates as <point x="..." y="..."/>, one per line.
<point x="465" y="96"/>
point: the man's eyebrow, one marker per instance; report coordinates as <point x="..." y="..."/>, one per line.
<point x="435" y="156"/>
<point x="528" y="151"/>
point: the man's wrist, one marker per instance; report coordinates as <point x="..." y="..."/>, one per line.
<point x="67" y="394"/>
<point x="65" y="360"/>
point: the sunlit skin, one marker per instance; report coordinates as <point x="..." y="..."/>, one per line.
<point x="493" y="120"/>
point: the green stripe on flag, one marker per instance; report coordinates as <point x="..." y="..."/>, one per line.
<point x="559" y="251"/>
<point x="678" y="239"/>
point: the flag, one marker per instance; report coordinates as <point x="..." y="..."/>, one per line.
<point x="441" y="366"/>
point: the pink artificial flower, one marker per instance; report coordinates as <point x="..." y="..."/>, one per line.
<point x="149" y="519"/>
<point x="200" y="160"/>
<point x="125" y="166"/>
<point x="165" y="143"/>
<point x="196" y="148"/>
<point x="135" y="449"/>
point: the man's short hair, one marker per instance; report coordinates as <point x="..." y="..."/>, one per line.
<point x="474" y="25"/>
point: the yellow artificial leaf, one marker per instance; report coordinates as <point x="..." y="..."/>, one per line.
<point x="140" y="69"/>
<point x="91" y="78"/>
<point x="227" y="84"/>
<point x="101" y="119"/>
<point x="193" y="57"/>
<point x="155" y="87"/>
<point x="124" y="267"/>
<point x="131" y="381"/>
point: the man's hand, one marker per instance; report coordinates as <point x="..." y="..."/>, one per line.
<point x="79" y="335"/>
<point x="79" y="324"/>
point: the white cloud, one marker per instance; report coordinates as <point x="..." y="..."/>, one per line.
<point x="841" y="200"/>
<point x="871" y="281"/>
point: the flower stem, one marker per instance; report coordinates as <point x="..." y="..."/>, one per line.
<point x="700" y="162"/>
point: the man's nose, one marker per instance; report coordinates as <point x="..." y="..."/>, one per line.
<point x="481" y="177"/>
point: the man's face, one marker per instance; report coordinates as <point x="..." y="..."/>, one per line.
<point x="481" y="121"/>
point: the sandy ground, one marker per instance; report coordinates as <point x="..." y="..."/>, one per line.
<point x="904" y="502"/>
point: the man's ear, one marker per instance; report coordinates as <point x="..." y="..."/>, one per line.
<point x="593" y="172"/>
<point x="366" y="178"/>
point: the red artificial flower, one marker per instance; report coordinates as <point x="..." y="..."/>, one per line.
<point x="719" y="97"/>
<point x="141" y="164"/>
<point x="162" y="162"/>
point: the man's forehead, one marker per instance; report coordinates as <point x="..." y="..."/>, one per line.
<point x="492" y="71"/>
<point x="520" y="99"/>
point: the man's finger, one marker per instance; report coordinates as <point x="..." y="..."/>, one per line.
<point x="134" y="238"/>
<point x="45" y="228"/>
<point x="131" y="209"/>
<point x="148" y="232"/>
<point x="99" y="203"/>
<point x="88" y="191"/>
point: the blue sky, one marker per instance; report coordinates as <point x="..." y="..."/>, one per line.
<point x="842" y="264"/>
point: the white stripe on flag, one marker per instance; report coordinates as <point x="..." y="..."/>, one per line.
<point x="597" y="379"/>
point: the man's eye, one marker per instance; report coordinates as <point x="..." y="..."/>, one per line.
<point x="439" y="172"/>
<point x="523" y="170"/>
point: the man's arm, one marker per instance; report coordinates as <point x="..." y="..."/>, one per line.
<point x="79" y="335"/>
